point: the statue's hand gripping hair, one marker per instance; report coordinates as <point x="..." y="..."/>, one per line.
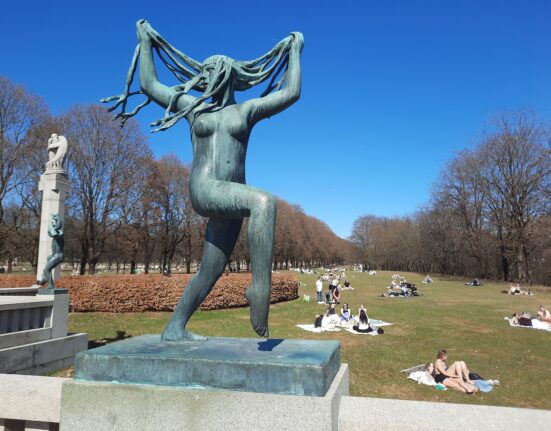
<point x="220" y="130"/>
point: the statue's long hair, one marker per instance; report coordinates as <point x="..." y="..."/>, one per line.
<point x="242" y="75"/>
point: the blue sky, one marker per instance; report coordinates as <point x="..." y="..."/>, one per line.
<point x="391" y="90"/>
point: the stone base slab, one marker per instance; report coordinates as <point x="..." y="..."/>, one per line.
<point x="359" y="414"/>
<point x="280" y="366"/>
<point x="44" y="356"/>
<point x="30" y="398"/>
<point x="93" y="406"/>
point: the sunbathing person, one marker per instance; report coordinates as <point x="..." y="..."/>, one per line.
<point x="427" y="279"/>
<point x="363" y="325"/>
<point x="521" y="319"/>
<point x="544" y="315"/>
<point x="516" y="290"/>
<point x="456" y="376"/>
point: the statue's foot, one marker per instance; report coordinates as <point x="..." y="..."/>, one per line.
<point x="259" y="302"/>
<point x="41" y="281"/>
<point x="178" y="333"/>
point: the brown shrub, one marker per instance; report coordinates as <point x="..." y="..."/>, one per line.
<point x="153" y="292"/>
<point x="17" y="280"/>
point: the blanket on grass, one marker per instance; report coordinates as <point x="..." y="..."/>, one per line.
<point x="372" y="322"/>
<point x="311" y="328"/>
<point x="360" y="333"/>
<point x="536" y="324"/>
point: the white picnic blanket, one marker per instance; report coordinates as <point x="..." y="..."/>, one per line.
<point x="360" y="333"/>
<point x="536" y="324"/>
<point x="311" y="328"/>
<point x="376" y="322"/>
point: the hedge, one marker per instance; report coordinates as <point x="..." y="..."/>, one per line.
<point x="154" y="292"/>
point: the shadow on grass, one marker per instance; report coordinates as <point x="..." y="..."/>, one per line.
<point x="121" y="335"/>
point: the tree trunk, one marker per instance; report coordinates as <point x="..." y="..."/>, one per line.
<point x="92" y="267"/>
<point x="82" y="268"/>
<point x="504" y="263"/>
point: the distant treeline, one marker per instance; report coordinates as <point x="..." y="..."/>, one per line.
<point x="124" y="207"/>
<point x="489" y="215"/>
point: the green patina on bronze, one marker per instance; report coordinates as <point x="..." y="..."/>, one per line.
<point x="55" y="231"/>
<point x="220" y="130"/>
<point x="292" y="367"/>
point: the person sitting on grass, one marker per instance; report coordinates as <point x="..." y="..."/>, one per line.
<point x="331" y="318"/>
<point x="345" y="313"/>
<point x="318" y="321"/>
<point x="456" y="376"/>
<point x="363" y="324"/>
<point x="544" y="315"/>
<point x="427" y="279"/>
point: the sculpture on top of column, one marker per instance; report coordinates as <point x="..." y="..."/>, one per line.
<point x="220" y="129"/>
<point x="57" y="153"/>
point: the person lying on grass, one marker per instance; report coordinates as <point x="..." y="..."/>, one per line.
<point x="456" y="376"/>
<point x="544" y="315"/>
<point x="516" y="290"/>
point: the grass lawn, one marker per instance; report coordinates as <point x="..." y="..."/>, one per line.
<point x="466" y="321"/>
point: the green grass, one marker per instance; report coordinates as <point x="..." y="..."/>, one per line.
<point x="466" y="321"/>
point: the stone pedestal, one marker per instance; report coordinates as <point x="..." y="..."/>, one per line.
<point x="143" y="383"/>
<point x="93" y="406"/>
<point x="293" y="367"/>
<point x="54" y="187"/>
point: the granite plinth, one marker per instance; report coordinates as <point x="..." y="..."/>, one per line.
<point x="290" y="367"/>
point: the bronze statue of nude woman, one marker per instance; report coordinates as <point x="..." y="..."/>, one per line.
<point x="220" y="130"/>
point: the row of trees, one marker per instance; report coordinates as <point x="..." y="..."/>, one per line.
<point x="489" y="215"/>
<point x="125" y="207"/>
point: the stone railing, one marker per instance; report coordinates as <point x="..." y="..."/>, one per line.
<point x="33" y="333"/>
<point x="32" y="402"/>
<point x="19" y="291"/>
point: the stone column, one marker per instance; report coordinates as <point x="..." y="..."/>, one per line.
<point x="54" y="188"/>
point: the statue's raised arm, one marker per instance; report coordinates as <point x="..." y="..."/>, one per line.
<point x="274" y="103"/>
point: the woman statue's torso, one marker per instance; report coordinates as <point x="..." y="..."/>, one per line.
<point x="219" y="140"/>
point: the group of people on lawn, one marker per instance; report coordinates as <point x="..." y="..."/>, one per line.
<point x="333" y="293"/>
<point x="329" y="320"/>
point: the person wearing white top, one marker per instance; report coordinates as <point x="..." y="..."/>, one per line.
<point x="331" y="318"/>
<point x="319" y="290"/>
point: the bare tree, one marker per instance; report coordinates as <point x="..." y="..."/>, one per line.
<point x="172" y="207"/>
<point x="518" y="174"/>
<point x="21" y="112"/>
<point x="106" y="166"/>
